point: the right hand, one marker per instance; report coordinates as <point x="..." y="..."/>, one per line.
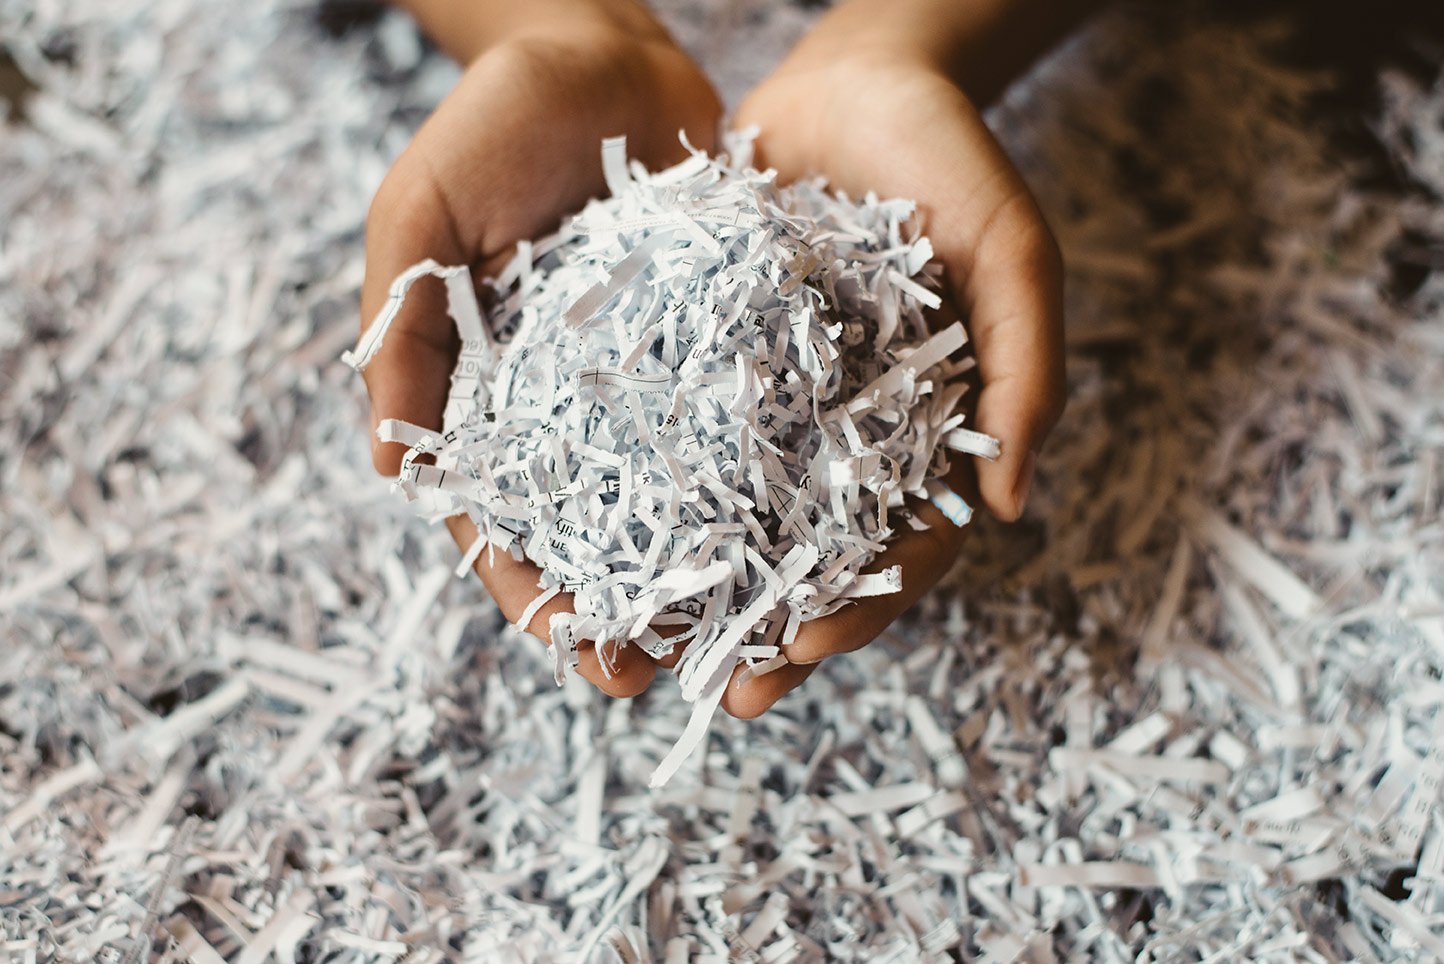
<point x="514" y="148"/>
<point x="886" y="119"/>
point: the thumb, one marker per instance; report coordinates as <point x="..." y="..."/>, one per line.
<point x="1006" y="274"/>
<point x="1014" y="295"/>
<point x="409" y="378"/>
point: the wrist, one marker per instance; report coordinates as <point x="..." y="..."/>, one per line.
<point x="466" y="29"/>
<point x="981" y="45"/>
<point x="863" y="30"/>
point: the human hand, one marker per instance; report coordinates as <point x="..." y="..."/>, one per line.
<point x="514" y="148"/>
<point x="886" y="118"/>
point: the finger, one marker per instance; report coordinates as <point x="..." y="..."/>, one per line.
<point x="925" y="557"/>
<point x="632" y="670"/>
<point x="515" y="584"/>
<point x="666" y="630"/>
<point x="1014" y="294"/>
<point x="756" y="696"/>
<point x="409" y="377"/>
<point x="1005" y="272"/>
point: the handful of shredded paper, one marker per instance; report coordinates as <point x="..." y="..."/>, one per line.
<point x="701" y="405"/>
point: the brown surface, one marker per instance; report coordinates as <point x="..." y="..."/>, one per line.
<point x="14" y="86"/>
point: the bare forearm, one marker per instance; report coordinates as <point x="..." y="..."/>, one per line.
<point x="982" y="44"/>
<point x="466" y="28"/>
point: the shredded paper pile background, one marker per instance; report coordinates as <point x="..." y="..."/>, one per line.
<point x="1189" y="708"/>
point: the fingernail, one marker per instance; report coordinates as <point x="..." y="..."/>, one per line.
<point x="1024" y="485"/>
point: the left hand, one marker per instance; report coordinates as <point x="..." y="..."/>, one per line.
<point x="505" y="156"/>
<point x="884" y="121"/>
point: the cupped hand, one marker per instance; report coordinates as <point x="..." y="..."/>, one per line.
<point x="514" y="148"/>
<point x="882" y="121"/>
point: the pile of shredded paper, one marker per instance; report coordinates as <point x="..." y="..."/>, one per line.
<point x="704" y="400"/>
<point x="1190" y="708"/>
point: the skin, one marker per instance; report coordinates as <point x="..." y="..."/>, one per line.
<point x="515" y="147"/>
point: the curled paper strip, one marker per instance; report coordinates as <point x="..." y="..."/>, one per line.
<point x="706" y="393"/>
